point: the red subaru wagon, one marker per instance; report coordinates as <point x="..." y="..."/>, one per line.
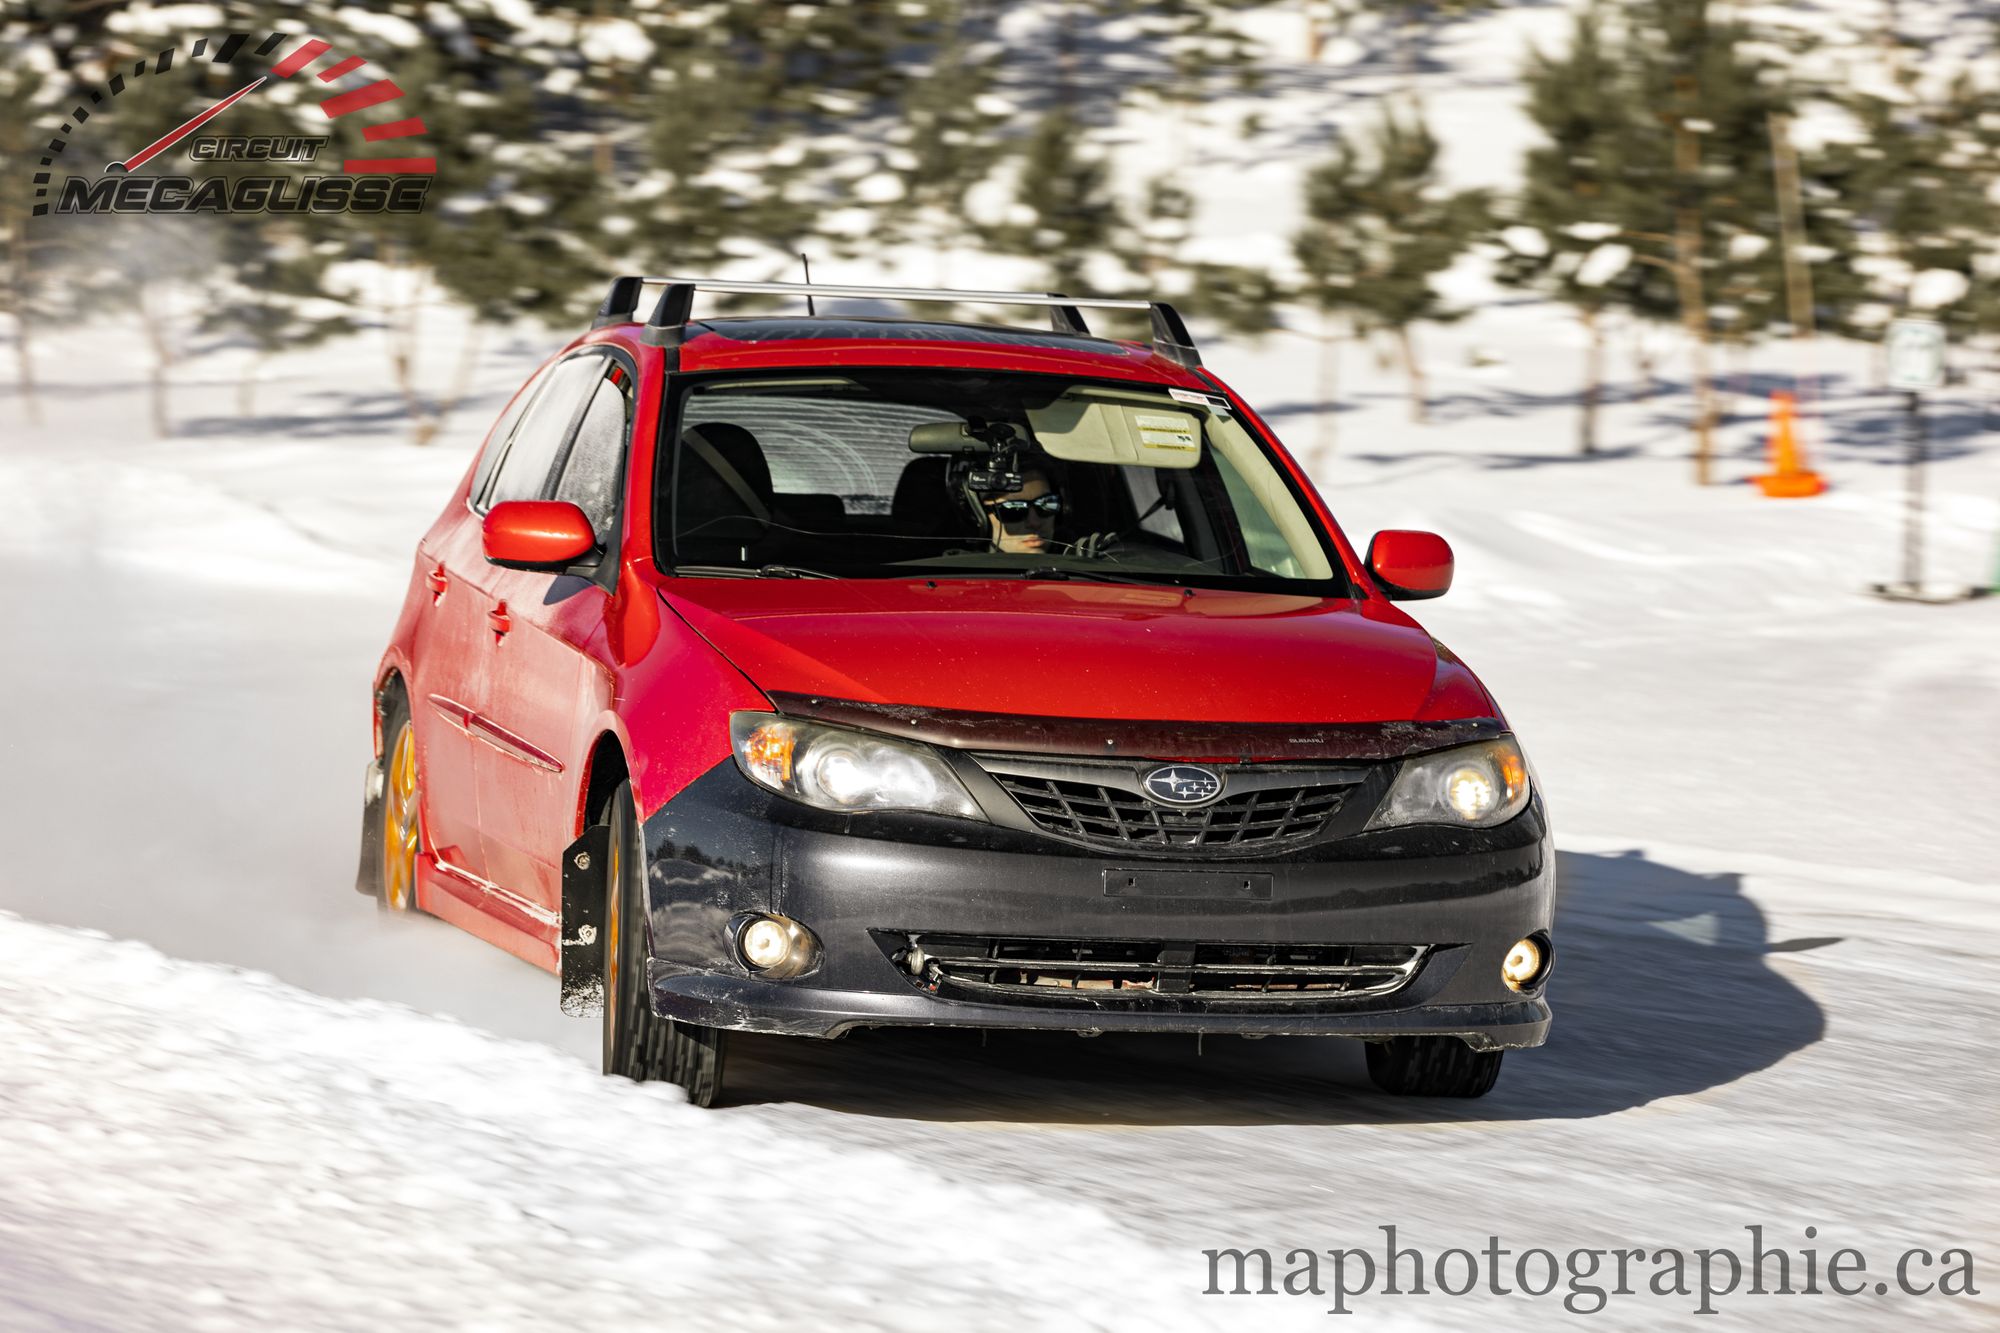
<point x="803" y="674"/>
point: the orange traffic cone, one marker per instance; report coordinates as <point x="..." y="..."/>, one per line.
<point x="1789" y="477"/>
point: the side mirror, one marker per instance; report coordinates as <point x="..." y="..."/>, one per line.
<point x="537" y="534"/>
<point x="1410" y="565"/>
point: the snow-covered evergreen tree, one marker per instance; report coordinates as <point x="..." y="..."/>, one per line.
<point x="1569" y="227"/>
<point x="1064" y="211"/>
<point x="1380" y="229"/>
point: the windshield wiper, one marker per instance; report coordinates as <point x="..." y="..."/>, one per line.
<point x="1060" y="574"/>
<point x="761" y="572"/>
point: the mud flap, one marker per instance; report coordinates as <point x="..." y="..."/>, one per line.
<point x="583" y="864"/>
<point x="368" y="878"/>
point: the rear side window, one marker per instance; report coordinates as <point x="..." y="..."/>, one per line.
<point x="524" y="472"/>
<point x="590" y="475"/>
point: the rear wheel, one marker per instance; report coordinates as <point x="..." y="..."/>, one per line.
<point x="638" y="1043"/>
<point x="402" y="811"/>
<point x="1432" y="1067"/>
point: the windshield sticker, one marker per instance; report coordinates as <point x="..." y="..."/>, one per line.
<point x="1165" y="432"/>
<point x="1198" y="399"/>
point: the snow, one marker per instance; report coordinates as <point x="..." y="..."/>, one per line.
<point x="387" y="29"/>
<point x="155" y="20"/>
<point x="608" y="40"/>
<point x="249" y="1155"/>
<point x="1602" y="264"/>
<point x="880" y="188"/>
<point x="1935" y="288"/>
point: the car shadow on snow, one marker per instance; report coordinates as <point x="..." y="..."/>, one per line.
<point x="1661" y="989"/>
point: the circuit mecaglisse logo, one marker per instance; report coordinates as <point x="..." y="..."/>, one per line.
<point x="396" y="181"/>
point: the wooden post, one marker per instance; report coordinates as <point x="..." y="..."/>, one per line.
<point x="1791" y="244"/>
<point x="1688" y="284"/>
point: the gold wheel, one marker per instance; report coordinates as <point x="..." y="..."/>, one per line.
<point x="402" y="823"/>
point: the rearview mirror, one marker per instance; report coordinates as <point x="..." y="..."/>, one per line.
<point x="537" y="534"/>
<point x="1410" y="565"/>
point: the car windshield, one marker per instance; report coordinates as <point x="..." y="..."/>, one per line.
<point x="861" y="474"/>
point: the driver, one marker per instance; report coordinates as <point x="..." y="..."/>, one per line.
<point x="1023" y="522"/>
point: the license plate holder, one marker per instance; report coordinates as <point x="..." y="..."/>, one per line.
<point x="1233" y="885"/>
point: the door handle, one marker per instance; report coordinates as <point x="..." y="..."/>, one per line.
<point x="497" y="620"/>
<point x="438" y="581"/>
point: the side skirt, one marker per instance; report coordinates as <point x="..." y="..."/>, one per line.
<point x="488" y="911"/>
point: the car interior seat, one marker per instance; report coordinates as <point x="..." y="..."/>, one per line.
<point x="723" y="491"/>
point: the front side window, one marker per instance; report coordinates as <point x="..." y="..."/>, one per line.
<point x="591" y="473"/>
<point x="524" y="469"/>
<point x="899" y="474"/>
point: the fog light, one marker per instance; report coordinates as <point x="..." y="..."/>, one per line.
<point x="1524" y="964"/>
<point x="775" y="946"/>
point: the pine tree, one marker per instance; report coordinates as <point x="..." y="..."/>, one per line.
<point x="946" y="141"/>
<point x="1380" y="229"/>
<point x="1920" y="183"/>
<point x="1672" y="124"/>
<point x="1571" y="220"/>
<point x="31" y="293"/>
<point x="1068" y="216"/>
<point x="515" y="224"/>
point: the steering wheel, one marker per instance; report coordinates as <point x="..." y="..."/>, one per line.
<point x="1096" y="545"/>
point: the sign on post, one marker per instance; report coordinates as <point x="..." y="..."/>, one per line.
<point x="1915" y="350"/>
<point x="1916" y="355"/>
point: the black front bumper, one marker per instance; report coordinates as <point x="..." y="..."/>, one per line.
<point x="726" y="846"/>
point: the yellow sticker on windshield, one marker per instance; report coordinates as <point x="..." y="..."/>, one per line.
<point x="1165" y="432"/>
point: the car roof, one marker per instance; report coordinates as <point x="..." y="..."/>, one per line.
<point x="752" y="342"/>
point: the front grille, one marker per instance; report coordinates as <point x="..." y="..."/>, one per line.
<point x="1054" y="970"/>
<point x="1103" y="805"/>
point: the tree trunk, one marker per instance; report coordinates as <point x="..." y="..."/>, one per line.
<point x="1647" y="365"/>
<point x="1688" y="286"/>
<point x="1419" y="392"/>
<point x="461" y="379"/>
<point x="153" y="319"/>
<point x="14" y="235"/>
<point x="24" y="362"/>
<point x="246" y="388"/>
<point x="1593" y="378"/>
<point x="402" y="316"/>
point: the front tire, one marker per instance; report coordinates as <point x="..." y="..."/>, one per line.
<point x="1432" y="1067"/>
<point x="638" y="1043"/>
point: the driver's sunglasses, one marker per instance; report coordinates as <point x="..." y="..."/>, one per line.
<point x="1017" y="509"/>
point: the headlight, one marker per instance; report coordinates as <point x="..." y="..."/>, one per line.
<point x="1473" y="786"/>
<point x="837" y="769"/>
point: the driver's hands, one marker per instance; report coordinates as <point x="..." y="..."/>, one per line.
<point x="1097" y="545"/>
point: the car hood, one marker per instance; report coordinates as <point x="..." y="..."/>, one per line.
<point x="1081" y="650"/>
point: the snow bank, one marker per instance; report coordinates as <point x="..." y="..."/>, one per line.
<point x="188" y="1146"/>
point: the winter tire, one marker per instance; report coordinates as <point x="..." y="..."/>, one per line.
<point x="639" y="1044"/>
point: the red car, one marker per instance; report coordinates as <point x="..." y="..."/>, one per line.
<point x="804" y="674"/>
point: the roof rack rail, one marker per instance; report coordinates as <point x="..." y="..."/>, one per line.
<point x="666" y="326"/>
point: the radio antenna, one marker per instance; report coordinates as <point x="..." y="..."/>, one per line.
<point x="806" y="264"/>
